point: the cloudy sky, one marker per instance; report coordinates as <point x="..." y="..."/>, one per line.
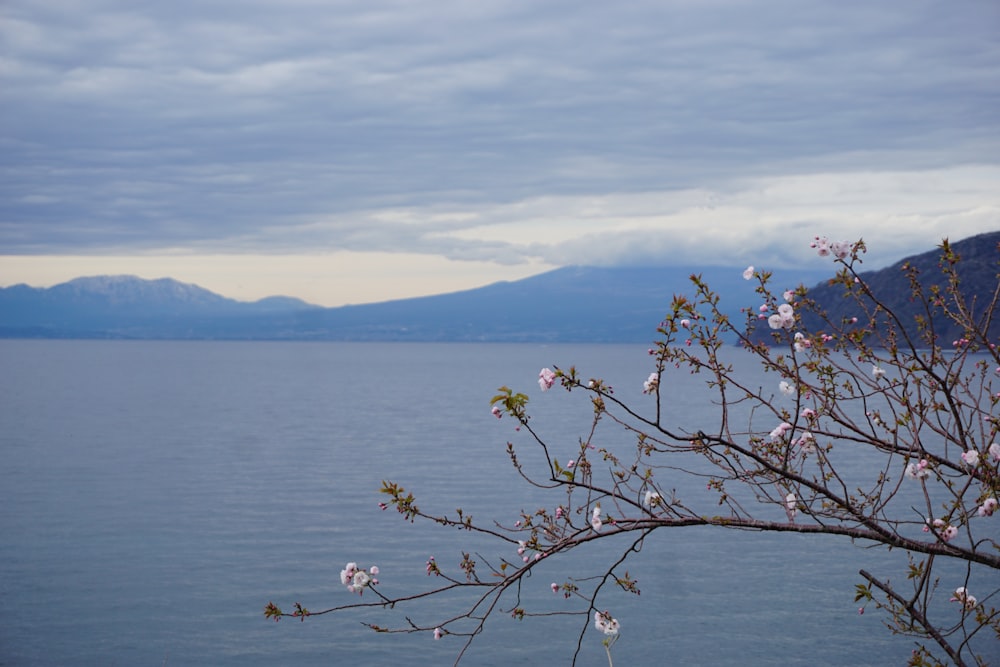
<point x="348" y="151"/>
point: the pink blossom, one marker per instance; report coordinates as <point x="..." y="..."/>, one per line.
<point x="570" y="463"/>
<point x="559" y="512"/>
<point x="496" y="412"/>
<point x="748" y="273"/>
<point x="918" y="470"/>
<point x="438" y="632"/>
<point x="555" y="587"/>
<point x="971" y="457"/>
<point x="788" y="295"/>
<point x="949" y="533"/>
<point x="840" y="249"/>
<point x="808" y="413"/>
<point x="988" y="507"/>
<point x="687" y="325"/>
<point x="546" y="378"/>
<point x="780" y="430"/>
<point x="994" y="451"/>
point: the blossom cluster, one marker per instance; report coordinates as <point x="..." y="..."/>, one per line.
<point x="607" y="624"/>
<point x="968" y="600"/>
<point x="824" y="247"/>
<point x="357" y="580"/>
<point x="546" y="378"/>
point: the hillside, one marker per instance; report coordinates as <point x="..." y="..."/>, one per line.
<point x="979" y="275"/>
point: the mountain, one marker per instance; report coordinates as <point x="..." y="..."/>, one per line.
<point x="569" y="304"/>
<point x="978" y="272"/>
<point x="126" y="307"/>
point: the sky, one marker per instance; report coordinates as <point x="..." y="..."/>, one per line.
<point x="351" y="151"/>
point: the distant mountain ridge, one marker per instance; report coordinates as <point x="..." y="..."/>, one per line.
<point x="571" y="304"/>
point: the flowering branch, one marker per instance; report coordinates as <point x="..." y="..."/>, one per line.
<point x="871" y="387"/>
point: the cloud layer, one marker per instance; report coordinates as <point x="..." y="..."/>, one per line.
<point x="496" y="131"/>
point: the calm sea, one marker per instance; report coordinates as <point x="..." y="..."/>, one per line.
<point x="156" y="495"/>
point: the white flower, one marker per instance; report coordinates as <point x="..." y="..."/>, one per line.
<point x="971" y="457"/>
<point x="995" y="451"/>
<point x="604" y="622"/>
<point x="962" y="595"/>
<point x="651" y="383"/>
<point x="790" y="506"/>
<point x="437" y="633"/>
<point x="595" y="519"/>
<point x="786" y="388"/>
<point x="788" y="295"/>
<point x="651" y="498"/>
<point x="361" y="579"/>
<point x="877" y="372"/>
<point x="988" y="507"/>
<point x="949" y="533"/>
<point x="347" y="574"/>
<point x="807" y="441"/>
<point x="775" y="321"/>
<point x="748" y="273"/>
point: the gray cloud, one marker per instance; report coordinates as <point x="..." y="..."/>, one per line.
<point x="245" y="126"/>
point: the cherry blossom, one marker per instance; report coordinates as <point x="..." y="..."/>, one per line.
<point x="786" y="388"/>
<point x="807" y="442"/>
<point x="546" y="378"/>
<point x="496" y="412"/>
<point x="971" y="457"/>
<point x="438" y="632"/>
<point x="962" y="595"/>
<point x="988" y="507"/>
<point x="357" y="580"/>
<point x="918" y="470"/>
<point x="995" y="452"/>
<point x="607" y="624"/>
<point x="949" y="533"/>
<point x="790" y="506"/>
<point x="595" y="518"/>
<point x="651" y="383"/>
<point x="840" y="249"/>
<point x="748" y="273"/>
<point x="822" y="246"/>
<point x="877" y="372"/>
<point x="780" y="430"/>
<point x="651" y="498"/>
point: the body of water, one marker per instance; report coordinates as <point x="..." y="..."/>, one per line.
<point x="156" y="495"/>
